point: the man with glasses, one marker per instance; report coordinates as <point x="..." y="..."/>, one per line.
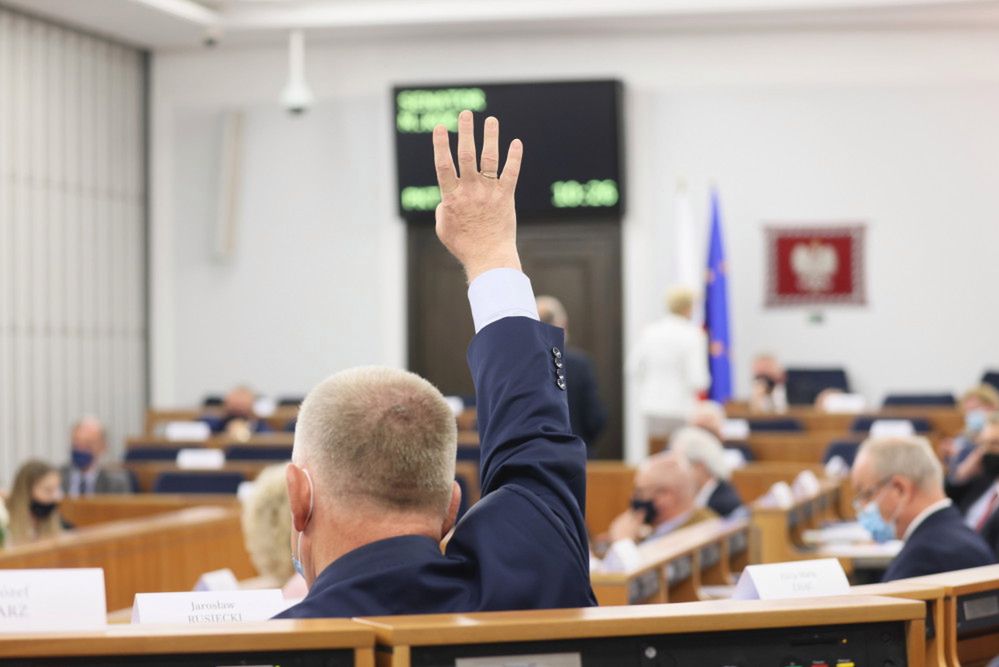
<point x="899" y="495"/>
<point x="980" y="498"/>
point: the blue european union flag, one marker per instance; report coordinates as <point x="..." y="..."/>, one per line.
<point x="716" y="310"/>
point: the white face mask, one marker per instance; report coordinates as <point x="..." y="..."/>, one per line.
<point x="296" y="561"/>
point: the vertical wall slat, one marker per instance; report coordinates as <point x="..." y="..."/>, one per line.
<point x="72" y="216"/>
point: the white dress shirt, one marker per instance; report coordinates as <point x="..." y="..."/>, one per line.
<point x="922" y="516"/>
<point x="500" y="293"/>
<point x="89" y="481"/>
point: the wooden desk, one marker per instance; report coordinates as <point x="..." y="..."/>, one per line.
<point x="675" y="566"/>
<point x="755" y="479"/>
<point x="609" y="486"/>
<point x="341" y="642"/>
<point x="157" y="418"/>
<point x="698" y="633"/>
<point x="97" y="509"/>
<point x="969" y="642"/>
<point x="215" y="442"/>
<point x="944" y="421"/>
<point x="932" y="597"/>
<point x="776" y="531"/>
<point x="167" y="552"/>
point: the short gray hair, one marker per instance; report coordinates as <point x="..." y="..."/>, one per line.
<point x="385" y="434"/>
<point x="700" y="446"/>
<point x="909" y="457"/>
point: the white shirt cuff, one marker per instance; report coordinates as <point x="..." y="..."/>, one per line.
<point x="501" y="293"/>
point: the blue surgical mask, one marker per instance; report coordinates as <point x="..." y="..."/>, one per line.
<point x="81" y="459"/>
<point x="296" y="561"/>
<point x="870" y="518"/>
<point x="975" y="420"/>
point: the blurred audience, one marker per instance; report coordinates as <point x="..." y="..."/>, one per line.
<point x="33" y="504"/>
<point x="266" y="527"/>
<point x="664" y="500"/>
<point x="709" y="469"/>
<point x="238" y="420"/>
<point x="84" y="475"/>
<point x="962" y="456"/>
<point x="978" y="497"/>
<point x="670" y="365"/>
<point x="586" y="412"/>
<point x="899" y="494"/>
<point x="769" y="394"/>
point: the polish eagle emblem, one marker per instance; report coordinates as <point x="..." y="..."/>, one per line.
<point x="814" y="264"/>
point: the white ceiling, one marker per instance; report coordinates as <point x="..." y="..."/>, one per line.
<point x="184" y="24"/>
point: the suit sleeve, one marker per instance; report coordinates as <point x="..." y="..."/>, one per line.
<point x="523" y="419"/>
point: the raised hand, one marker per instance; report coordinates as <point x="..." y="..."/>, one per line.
<point x="476" y="219"/>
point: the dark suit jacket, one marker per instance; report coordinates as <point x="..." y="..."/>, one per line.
<point x="108" y="480"/>
<point x="990" y="532"/>
<point x="524" y="544"/>
<point x="586" y="412"/>
<point x="941" y="543"/>
<point x="725" y="499"/>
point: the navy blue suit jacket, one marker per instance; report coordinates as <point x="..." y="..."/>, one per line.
<point x="524" y="544"/>
<point x="941" y="543"/>
<point x="724" y="499"/>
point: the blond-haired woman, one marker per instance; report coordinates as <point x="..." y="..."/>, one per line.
<point x="34" y="503"/>
<point x="266" y="531"/>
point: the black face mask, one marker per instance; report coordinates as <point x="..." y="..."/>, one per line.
<point x="990" y="464"/>
<point x="42" y="511"/>
<point x="768" y="382"/>
<point x="646" y="506"/>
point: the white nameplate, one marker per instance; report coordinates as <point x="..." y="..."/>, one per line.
<point x="207" y="608"/>
<point x="185" y="431"/>
<point x="201" y="459"/>
<point x="779" y="495"/>
<point x="456" y="403"/>
<point x="734" y="459"/>
<point x="52" y="600"/>
<point x="264" y="407"/>
<point x="844" y="404"/>
<point x="806" y="485"/>
<point x="217" y="580"/>
<point x="799" y="579"/>
<point x="892" y="428"/>
<point x="735" y="429"/>
<point x="552" y="660"/>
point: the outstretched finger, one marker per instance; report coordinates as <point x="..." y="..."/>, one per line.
<point x="490" y="148"/>
<point x="446" y="177"/>
<point x="511" y="170"/>
<point x="466" y="144"/>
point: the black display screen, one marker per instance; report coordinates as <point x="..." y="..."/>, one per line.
<point x="571" y="133"/>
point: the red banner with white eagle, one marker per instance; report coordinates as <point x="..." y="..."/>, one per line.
<point x="822" y="265"/>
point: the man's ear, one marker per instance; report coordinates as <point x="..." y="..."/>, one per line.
<point x="298" y="496"/>
<point x="452" y="510"/>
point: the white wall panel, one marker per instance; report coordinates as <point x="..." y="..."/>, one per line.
<point x="72" y="238"/>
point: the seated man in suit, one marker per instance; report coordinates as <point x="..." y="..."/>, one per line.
<point x="709" y="469"/>
<point x="663" y="501"/>
<point x="899" y="495"/>
<point x="238" y="420"/>
<point x="979" y="498"/>
<point x="84" y="475"/>
<point x="586" y="412"/>
<point x="371" y="483"/>
<point x="962" y="453"/>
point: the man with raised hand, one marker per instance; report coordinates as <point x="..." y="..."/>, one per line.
<point x="371" y="482"/>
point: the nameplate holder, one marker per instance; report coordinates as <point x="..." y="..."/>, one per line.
<point x="200" y="459"/>
<point x="844" y="404"/>
<point x="70" y="600"/>
<point x="208" y="608"/>
<point x="797" y="579"/>
<point x="892" y="428"/>
<point x="735" y="429"/>
<point x="217" y="580"/>
<point x="187" y="431"/>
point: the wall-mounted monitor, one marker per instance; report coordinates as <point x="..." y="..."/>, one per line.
<point x="572" y="144"/>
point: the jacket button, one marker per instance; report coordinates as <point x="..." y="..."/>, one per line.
<point x="559" y="363"/>
<point x="561" y="383"/>
<point x="557" y="353"/>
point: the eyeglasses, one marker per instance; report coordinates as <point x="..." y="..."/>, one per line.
<point x="862" y="498"/>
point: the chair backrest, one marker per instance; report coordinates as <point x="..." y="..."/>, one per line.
<point x="945" y="399"/>
<point x="845" y="449"/>
<point x="258" y="453"/>
<point x="198" y="482"/>
<point x="803" y="385"/>
<point x="991" y="378"/>
<point x="290" y="401"/>
<point x="863" y="424"/>
<point x="777" y="424"/>
<point x="213" y="401"/>
<point x="166" y="452"/>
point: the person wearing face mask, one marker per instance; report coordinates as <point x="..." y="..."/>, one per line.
<point x="898" y="486"/>
<point x="664" y="500"/>
<point x="34" y="504"/>
<point x="961" y="454"/>
<point x="84" y="475"/>
<point x="981" y="502"/>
